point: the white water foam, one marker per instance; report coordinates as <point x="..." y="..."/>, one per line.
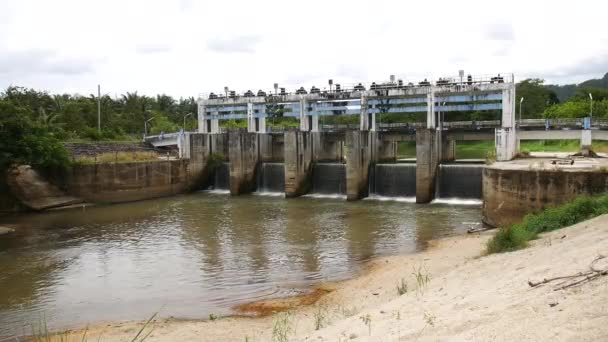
<point x="217" y="192"/>
<point x="269" y="193"/>
<point x="457" y="201"/>
<point x="410" y="199"/>
<point x="334" y="196"/>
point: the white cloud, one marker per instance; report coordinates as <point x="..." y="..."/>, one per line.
<point x="245" y="44"/>
<point x="152" y="48"/>
<point x="187" y="47"/>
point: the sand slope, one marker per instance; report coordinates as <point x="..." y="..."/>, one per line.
<point x="468" y="298"/>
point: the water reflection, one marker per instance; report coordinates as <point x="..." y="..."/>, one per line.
<point x="192" y="255"/>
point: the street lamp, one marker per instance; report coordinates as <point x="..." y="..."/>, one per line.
<point x="591" y="105"/>
<point x="185" y="116"/>
<point x="146" y="126"/>
<point x="520" y="102"/>
<point x="441" y="117"/>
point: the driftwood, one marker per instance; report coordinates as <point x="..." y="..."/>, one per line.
<point x="575" y="279"/>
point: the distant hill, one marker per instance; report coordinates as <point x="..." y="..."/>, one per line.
<point x="564" y="92"/>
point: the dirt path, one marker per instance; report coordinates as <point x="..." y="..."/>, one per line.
<point x="466" y="298"/>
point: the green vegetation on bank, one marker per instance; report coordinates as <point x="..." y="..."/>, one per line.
<point x="516" y="236"/>
<point x="480" y="149"/>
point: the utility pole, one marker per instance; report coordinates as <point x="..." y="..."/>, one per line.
<point x="591" y="105"/>
<point x="98" y="108"/>
<point x="185" y="116"/>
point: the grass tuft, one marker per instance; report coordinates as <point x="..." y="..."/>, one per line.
<point x="402" y="287"/>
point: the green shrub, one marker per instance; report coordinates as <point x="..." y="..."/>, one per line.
<point x="516" y="236"/>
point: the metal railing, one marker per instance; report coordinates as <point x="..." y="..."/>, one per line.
<point x="399" y="82"/>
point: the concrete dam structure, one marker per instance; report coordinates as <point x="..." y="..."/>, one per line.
<point x="354" y="161"/>
<point x="361" y="160"/>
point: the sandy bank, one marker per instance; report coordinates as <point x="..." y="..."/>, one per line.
<point x="468" y="298"/>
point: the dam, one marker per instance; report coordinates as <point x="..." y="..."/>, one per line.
<point x="352" y="160"/>
<point x="355" y="161"/>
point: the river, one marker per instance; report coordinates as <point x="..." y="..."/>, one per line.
<point x="193" y="255"/>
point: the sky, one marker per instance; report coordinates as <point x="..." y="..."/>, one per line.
<point x="188" y="47"/>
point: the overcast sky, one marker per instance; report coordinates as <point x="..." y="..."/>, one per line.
<point x="187" y="47"/>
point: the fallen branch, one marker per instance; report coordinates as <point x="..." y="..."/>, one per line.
<point x="593" y="273"/>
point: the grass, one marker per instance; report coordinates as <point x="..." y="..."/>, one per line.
<point x="473" y="149"/>
<point x="402" y="287"/>
<point x="517" y="236"/>
<point x="118" y="157"/>
<point x="320" y="317"/>
<point x="367" y="320"/>
<point x="406" y="149"/>
<point x="281" y="327"/>
<point x="41" y="333"/>
<point x="422" y="278"/>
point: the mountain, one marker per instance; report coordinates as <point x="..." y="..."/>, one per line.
<point x="564" y="92"/>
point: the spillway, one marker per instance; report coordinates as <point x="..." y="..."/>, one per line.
<point x="221" y="179"/>
<point x="271" y="178"/>
<point x="329" y="178"/>
<point x="459" y="181"/>
<point x="393" y="180"/>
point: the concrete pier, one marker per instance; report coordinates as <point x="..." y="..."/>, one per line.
<point x="448" y="149"/>
<point x="427" y="160"/>
<point x="244" y="156"/>
<point x="358" y="159"/>
<point x="298" y="162"/>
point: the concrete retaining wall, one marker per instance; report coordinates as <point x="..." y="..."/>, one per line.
<point x="508" y="195"/>
<point x="124" y="182"/>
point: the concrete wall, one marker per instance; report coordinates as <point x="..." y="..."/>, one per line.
<point x="218" y="144"/>
<point x="328" y="146"/>
<point x="427" y="161"/>
<point x="244" y="157"/>
<point x="448" y="149"/>
<point x="383" y="151"/>
<point x="124" y="182"/>
<point x="508" y="195"/>
<point x="272" y="147"/>
<point x="358" y="159"/>
<point x="298" y="162"/>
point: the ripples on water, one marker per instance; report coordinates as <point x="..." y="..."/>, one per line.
<point x="192" y="255"/>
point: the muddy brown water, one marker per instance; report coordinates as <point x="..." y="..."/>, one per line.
<point x="193" y="255"/>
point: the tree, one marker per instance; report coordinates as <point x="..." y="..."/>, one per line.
<point x="537" y="98"/>
<point x="26" y="141"/>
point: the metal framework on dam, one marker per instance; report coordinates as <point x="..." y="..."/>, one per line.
<point x="443" y="96"/>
